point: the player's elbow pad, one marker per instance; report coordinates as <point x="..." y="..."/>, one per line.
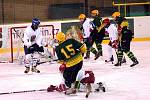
<point x="83" y="48"/>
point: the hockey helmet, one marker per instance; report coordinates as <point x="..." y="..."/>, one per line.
<point x="115" y="14"/>
<point x="106" y="20"/>
<point x="60" y="37"/>
<point x="124" y="24"/>
<point x="94" y="12"/>
<point x="82" y="17"/>
<point x="35" y="21"/>
<point x="62" y="68"/>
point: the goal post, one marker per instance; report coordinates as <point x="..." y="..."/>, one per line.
<point x="16" y="40"/>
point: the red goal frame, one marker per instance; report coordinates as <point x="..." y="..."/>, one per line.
<point x="21" y="27"/>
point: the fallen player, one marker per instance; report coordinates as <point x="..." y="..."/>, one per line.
<point x="84" y="83"/>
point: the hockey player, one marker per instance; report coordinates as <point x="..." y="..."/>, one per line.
<point x="98" y="33"/>
<point x="124" y="45"/>
<point x="84" y="82"/>
<point x="87" y="27"/>
<point x="32" y="43"/>
<point x="69" y="53"/>
<point x="118" y="20"/>
<point x="113" y="36"/>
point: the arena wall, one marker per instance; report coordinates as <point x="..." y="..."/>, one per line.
<point x="140" y="26"/>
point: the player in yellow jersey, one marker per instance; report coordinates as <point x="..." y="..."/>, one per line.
<point x="69" y="53"/>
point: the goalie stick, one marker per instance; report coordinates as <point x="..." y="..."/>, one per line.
<point x="38" y="63"/>
<point x="25" y="91"/>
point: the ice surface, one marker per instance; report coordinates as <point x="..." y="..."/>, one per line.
<point x="123" y="83"/>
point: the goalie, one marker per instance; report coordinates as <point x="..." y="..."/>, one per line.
<point x="33" y="42"/>
<point x="84" y="83"/>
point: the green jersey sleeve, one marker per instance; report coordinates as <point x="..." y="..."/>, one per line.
<point x="76" y="44"/>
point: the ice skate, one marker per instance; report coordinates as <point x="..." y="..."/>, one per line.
<point x="123" y="60"/>
<point x="98" y="55"/>
<point x="110" y="60"/>
<point x="35" y="70"/>
<point x="134" y="63"/>
<point x="70" y="91"/>
<point x="118" y="64"/>
<point x="87" y="55"/>
<point x="27" y="70"/>
<point x="100" y="87"/>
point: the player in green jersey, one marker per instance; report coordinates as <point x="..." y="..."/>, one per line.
<point x="69" y="53"/>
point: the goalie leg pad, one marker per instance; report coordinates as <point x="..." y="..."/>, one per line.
<point x="27" y="60"/>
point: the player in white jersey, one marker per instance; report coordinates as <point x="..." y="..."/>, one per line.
<point x="84" y="82"/>
<point x="33" y="42"/>
<point x="87" y="28"/>
<point x="111" y="29"/>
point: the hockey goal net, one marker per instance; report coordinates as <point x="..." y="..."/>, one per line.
<point x="16" y="40"/>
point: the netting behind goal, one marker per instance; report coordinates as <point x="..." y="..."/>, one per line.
<point x="16" y="40"/>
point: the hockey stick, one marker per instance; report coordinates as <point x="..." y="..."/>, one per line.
<point x="17" y="33"/>
<point x="38" y="63"/>
<point x="15" y="92"/>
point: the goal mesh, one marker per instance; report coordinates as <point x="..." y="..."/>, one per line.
<point x="16" y="40"/>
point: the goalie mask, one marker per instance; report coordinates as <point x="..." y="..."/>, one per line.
<point x="35" y="23"/>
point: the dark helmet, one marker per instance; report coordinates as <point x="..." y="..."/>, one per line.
<point x="35" y="21"/>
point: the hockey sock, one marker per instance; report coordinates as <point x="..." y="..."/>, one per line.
<point x="131" y="56"/>
<point x="77" y="85"/>
<point x="88" y="54"/>
<point x="119" y="55"/>
<point x="93" y="50"/>
<point x="99" y="47"/>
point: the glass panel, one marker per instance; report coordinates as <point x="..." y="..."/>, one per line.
<point x="18" y="11"/>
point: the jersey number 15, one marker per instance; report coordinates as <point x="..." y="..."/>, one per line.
<point x="69" y="49"/>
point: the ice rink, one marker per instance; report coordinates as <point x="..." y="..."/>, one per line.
<point x="123" y="83"/>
